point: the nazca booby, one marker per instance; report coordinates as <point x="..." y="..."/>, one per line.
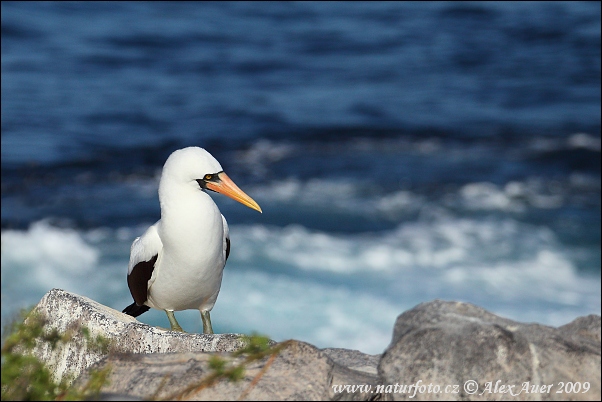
<point x="177" y="264"/>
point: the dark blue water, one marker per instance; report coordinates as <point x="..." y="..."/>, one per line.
<point x="367" y="120"/>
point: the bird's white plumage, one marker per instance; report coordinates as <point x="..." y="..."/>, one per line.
<point x="189" y="239"/>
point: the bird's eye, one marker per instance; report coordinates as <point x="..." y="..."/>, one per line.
<point x="208" y="176"/>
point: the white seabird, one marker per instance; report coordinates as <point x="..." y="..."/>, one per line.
<point x="177" y="264"/>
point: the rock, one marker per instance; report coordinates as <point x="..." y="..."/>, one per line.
<point x="588" y="327"/>
<point x="354" y="359"/>
<point x="299" y="372"/>
<point x="437" y="349"/>
<point x="449" y="343"/>
<point x="64" y="310"/>
<point x="144" y="357"/>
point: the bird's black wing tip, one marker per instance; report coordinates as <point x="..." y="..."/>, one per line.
<point x="135" y="310"/>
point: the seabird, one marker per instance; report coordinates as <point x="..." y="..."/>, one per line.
<point x="177" y="264"/>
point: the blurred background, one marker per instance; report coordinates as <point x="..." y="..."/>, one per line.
<point x="401" y="152"/>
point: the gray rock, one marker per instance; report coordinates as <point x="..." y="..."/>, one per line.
<point x="64" y="310"/>
<point x="152" y="362"/>
<point x="354" y="359"/>
<point x="449" y="343"/>
<point x="434" y="345"/>
<point x="587" y="326"/>
<point x="298" y="372"/>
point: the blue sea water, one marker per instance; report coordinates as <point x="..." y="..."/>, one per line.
<point x="401" y="152"/>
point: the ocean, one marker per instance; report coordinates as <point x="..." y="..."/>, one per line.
<point x="401" y="153"/>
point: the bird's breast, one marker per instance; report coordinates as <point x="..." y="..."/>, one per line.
<point x="189" y="272"/>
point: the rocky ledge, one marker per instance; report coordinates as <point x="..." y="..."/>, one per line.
<point x="439" y="350"/>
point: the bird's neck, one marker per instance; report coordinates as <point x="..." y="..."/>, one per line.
<point x="189" y="213"/>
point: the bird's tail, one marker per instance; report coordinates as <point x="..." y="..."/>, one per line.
<point x="135" y="310"/>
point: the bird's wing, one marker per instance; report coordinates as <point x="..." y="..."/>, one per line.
<point x="226" y="239"/>
<point x="143" y="257"/>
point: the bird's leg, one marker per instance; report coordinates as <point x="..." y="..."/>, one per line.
<point x="172" y="320"/>
<point x="207" y="329"/>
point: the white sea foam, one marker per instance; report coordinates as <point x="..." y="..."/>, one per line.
<point x="584" y="140"/>
<point x="287" y="307"/>
<point x="313" y="191"/>
<point x="357" y="197"/>
<point x="341" y="195"/>
<point x="368" y="285"/>
<point x="489" y="196"/>
<point x="514" y="196"/>
<point x="332" y="290"/>
<point x="441" y="243"/>
<point x="511" y="268"/>
<point x="41" y="258"/>
<point x="48" y="248"/>
<point x="262" y="153"/>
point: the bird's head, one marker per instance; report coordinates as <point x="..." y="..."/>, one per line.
<point x="196" y="166"/>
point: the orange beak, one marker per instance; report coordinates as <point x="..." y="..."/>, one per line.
<point x="227" y="187"/>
